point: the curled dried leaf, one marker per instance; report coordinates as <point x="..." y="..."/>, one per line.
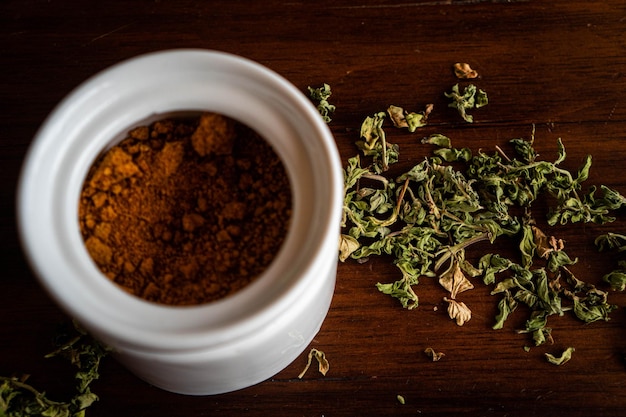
<point x="321" y="95"/>
<point x="347" y="245"/>
<point x="323" y="364"/>
<point x="463" y="71"/>
<point x="546" y="245"/>
<point x="454" y="280"/>
<point x="560" y="360"/>
<point x="470" y="98"/>
<point x="541" y="242"/>
<point x="458" y="311"/>
<point x="396" y="114"/>
<point x="434" y="355"/>
<point x="410" y="120"/>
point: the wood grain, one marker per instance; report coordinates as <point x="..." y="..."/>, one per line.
<point x="557" y="66"/>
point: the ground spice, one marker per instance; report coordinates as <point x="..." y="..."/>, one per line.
<point x="186" y="210"/>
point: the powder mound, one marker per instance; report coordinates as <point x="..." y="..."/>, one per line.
<point x="214" y="135"/>
<point x="186" y="211"/>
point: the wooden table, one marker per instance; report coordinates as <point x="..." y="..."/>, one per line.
<point x="559" y="66"/>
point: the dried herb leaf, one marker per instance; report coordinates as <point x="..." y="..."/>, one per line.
<point x="610" y="240"/>
<point x="320" y="357"/>
<point x="347" y="246"/>
<point x="410" y="120"/>
<point x="402" y="290"/>
<point x="527" y="245"/>
<point x="396" y="114"/>
<point x="471" y="98"/>
<point x="563" y="358"/>
<point x="428" y="216"/>
<point x="454" y="280"/>
<point x="616" y="279"/>
<point x="18" y="398"/>
<point x="616" y="241"/>
<point x="590" y="310"/>
<point x="463" y="71"/>
<point x="506" y="306"/>
<point x="321" y="95"/>
<point x="458" y="311"/>
<point x="439" y="140"/>
<point x="374" y="142"/>
<point x="433" y="354"/>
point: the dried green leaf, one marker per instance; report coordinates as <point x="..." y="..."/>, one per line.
<point x="438" y="139"/>
<point x="471" y="98"/>
<point x="611" y="241"/>
<point x="525" y="150"/>
<point x="537" y="321"/>
<point x="18" y="398"/>
<point x="354" y="172"/>
<point x="527" y="246"/>
<point x="563" y="358"/>
<point x="491" y="264"/>
<point x="616" y="279"/>
<point x="558" y="259"/>
<point x="541" y="336"/>
<point x="374" y="142"/>
<point x="415" y="121"/>
<point x="590" y="311"/>
<point x="410" y="120"/>
<point x="506" y="306"/>
<point x="454" y="154"/>
<point x="321" y="95"/>
<point x="402" y="290"/>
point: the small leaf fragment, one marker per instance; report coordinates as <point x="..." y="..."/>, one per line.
<point x="347" y="245"/>
<point x="560" y="360"/>
<point x="616" y="279"/>
<point x="400" y="399"/>
<point x="433" y="354"/>
<point x="471" y="98"/>
<point x="439" y="140"/>
<point x="320" y="357"/>
<point x="411" y="120"/>
<point x="396" y="114"/>
<point x="463" y="71"/>
<point x="321" y="95"/>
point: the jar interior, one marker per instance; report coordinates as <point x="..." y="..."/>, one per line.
<point x="185" y="209"/>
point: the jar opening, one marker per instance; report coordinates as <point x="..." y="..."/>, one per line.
<point x="187" y="209"/>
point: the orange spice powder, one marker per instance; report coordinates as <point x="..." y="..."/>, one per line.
<point x="186" y="211"/>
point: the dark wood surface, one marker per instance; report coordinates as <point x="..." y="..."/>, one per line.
<point x="557" y="65"/>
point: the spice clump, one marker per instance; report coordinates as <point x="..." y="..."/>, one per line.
<point x="186" y="210"/>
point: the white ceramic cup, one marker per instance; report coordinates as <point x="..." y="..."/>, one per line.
<point x="234" y="342"/>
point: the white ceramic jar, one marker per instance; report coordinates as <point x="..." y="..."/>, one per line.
<point x="217" y="347"/>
